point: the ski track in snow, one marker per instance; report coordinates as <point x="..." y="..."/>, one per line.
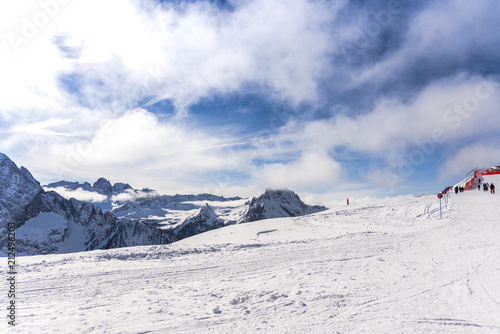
<point x="392" y="267"/>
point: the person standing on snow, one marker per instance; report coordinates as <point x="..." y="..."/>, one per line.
<point x="485" y="187"/>
<point x="492" y="187"/>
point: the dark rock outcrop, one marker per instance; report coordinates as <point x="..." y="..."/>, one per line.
<point x="205" y="220"/>
<point x="277" y="204"/>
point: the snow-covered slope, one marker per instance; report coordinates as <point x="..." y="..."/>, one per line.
<point x="169" y="211"/>
<point x="389" y="267"/>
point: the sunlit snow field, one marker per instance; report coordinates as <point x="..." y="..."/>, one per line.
<point x="391" y="266"/>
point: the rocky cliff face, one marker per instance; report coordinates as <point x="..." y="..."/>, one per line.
<point x="128" y="233"/>
<point x="204" y="220"/>
<point x="103" y="186"/>
<point x="48" y="223"/>
<point x="53" y="224"/>
<point x="17" y="189"/>
<point x="276" y="204"/>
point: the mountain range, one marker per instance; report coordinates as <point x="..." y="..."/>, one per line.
<point x="64" y="216"/>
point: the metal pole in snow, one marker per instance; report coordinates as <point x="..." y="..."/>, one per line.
<point x="440" y="212"/>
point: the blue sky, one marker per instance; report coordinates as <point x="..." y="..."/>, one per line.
<point x="328" y="98"/>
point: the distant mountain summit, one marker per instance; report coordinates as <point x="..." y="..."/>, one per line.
<point x="276" y="203"/>
<point x="101" y="186"/>
<point x="204" y="220"/>
<point x="47" y="222"/>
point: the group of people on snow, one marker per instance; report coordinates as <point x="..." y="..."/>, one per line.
<point x="486" y="186"/>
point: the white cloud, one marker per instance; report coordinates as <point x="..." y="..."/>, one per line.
<point x="138" y="137"/>
<point x="457" y="108"/>
<point x="41" y="128"/>
<point x="314" y="169"/>
<point x="173" y="156"/>
<point x="146" y="49"/>
<point x="477" y="155"/>
<point x="79" y="194"/>
<point x="116" y="58"/>
<point x="117" y="53"/>
<point x="442" y="35"/>
<point x="130" y="195"/>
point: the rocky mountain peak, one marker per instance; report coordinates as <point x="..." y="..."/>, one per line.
<point x="120" y="187"/>
<point x="17" y="189"/>
<point x="206" y="219"/>
<point x="276" y="203"/>
<point x="208" y="212"/>
<point x="103" y="186"/>
<point x="280" y="193"/>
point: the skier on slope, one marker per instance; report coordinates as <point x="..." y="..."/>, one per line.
<point x="492" y="187"/>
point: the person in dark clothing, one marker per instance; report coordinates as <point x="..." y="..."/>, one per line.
<point x="456" y="190"/>
<point x="479" y="187"/>
<point x="485" y="187"/>
<point x="492" y="187"/>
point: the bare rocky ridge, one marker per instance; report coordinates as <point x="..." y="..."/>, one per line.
<point x="276" y="204"/>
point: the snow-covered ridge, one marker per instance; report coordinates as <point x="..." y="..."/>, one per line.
<point x="101" y="186"/>
<point x="52" y="220"/>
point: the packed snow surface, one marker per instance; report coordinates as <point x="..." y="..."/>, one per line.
<point x="389" y="267"/>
